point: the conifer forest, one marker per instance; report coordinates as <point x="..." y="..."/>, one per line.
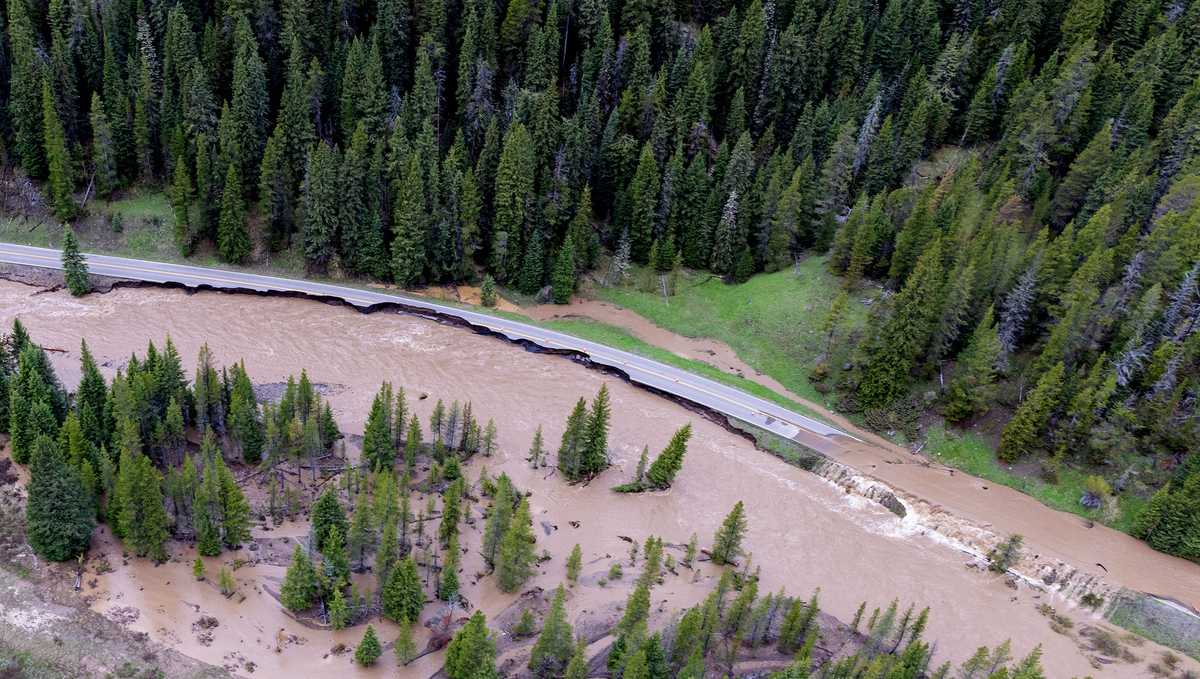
<point x="1003" y="194"/>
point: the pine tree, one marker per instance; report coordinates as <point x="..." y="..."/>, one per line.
<point x="59" y="515"/>
<point x="235" y="510"/>
<point x="516" y="557"/>
<point x="320" y="198"/>
<point x="405" y="647"/>
<point x="1020" y="435"/>
<point x="143" y="516"/>
<point x="563" y="279"/>
<point x="233" y="238"/>
<point x="58" y="159"/>
<point x="408" y="224"/>
<point x="571" y="450"/>
<point x="972" y="388"/>
<point x="537" y="450"/>
<point x="448" y="585"/>
<point x="339" y="614"/>
<point x="906" y="333"/>
<point x="368" y="650"/>
<point x="327" y="516"/>
<point x="668" y="463"/>
<point x="498" y="519"/>
<point x="74" y="267"/>
<point x="245" y="422"/>
<point x="574" y="564"/>
<point x="300" y="589"/>
<point x="402" y="596"/>
<point x="554" y="646"/>
<point x="594" y="455"/>
<point x="377" y="447"/>
<point x="643" y="200"/>
<point x="514" y="186"/>
<point x="487" y="291"/>
<point x="727" y="543"/>
<point x="472" y="652"/>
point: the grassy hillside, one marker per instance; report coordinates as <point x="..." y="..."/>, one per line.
<point x="773" y="321"/>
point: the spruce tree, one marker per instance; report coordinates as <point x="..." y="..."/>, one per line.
<point x="594" y="455"/>
<point x="563" y="279"/>
<point x="972" y="389"/>
<point x="58" y="159"/>
<point x="25" y="100"/>
<point x="90" y="398"/>
<point x="245" y="420"/>
<point x="554" y="646"/>
<point x="233" y="238"/>
<point x="516" y="556"/>
<point x="498" y="520"/>
<point x="368" y="650"/>
<point x="643" y="200"/>
<point x="143" y="516"/>
<point x="377" y="447"/>
<point x="339" y="614"/>
<point x="571" y="450"/>
<point x="574" y="564"/>
<point x="448" y="585"/>
<point x="74" y="267"/>
<point x="668" y="463"/>
<point x="235" y="510"/>
<point x="319" y="207"/>
<point x="402" y="596"/>
<point x="727" y="543"/>
<point x="405" y="647"/>
<point x="472" y="652"/>
<point x="300" y="589"/>
<point x="1020" y="435"/>
<point x="408" y="224"/>
<point x="327" y="516"/>
<point x="59" y="515"/>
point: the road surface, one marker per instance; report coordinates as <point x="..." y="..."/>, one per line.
<point x="679" y="383"/>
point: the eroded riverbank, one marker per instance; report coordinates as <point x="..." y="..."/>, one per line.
<point x="804" y="532"/>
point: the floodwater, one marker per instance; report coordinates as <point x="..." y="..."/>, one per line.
<point x="803" y="531"/>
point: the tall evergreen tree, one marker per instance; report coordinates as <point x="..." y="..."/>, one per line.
<point x="516" y="558"/>
<point x="472" y="652"/>
<point x="58" y="159"/>
<point x="74" y="267"/>
<point x="60" y="515"/>
<point x="1020" y="434"/>
<point x="727" y="543"/>
<point x="555" y="645"/>
<point x="233" y="237"/>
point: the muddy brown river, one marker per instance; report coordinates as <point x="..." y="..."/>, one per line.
<point x="803" y="531"/>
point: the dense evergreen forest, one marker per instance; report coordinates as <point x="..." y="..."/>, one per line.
<point x="1022" y="174"/>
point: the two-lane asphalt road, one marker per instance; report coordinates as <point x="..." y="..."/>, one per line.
<point x="653" y="374"/>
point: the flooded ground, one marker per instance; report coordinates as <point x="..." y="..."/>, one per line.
<point x="803" y="532"/>
<point x="938" y="490"/>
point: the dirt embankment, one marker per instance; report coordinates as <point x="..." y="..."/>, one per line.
<point x="47" y="629"/>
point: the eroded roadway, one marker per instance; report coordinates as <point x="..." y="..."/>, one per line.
<point x="681" y="384"/>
